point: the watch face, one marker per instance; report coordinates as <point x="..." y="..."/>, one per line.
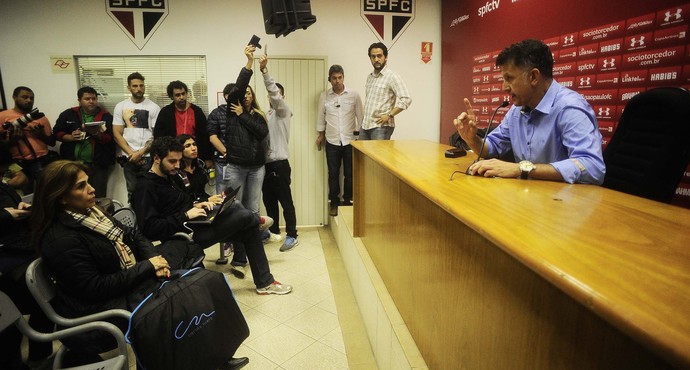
<point x="526" y="166"/>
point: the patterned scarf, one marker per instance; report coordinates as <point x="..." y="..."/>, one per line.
<point x="95" y="220"/>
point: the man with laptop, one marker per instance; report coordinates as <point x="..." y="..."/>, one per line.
<point x="163" y="209"/>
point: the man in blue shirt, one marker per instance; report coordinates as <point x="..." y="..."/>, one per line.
<point x="551" y="130"/>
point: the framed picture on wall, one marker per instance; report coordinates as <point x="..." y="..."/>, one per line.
<point x="3" y="102"/>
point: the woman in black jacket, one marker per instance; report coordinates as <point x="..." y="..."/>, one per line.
<point x="192" y="176"/>
<point x="96" y="263"/>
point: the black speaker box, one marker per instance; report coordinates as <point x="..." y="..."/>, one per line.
<point x="284" y="16"/>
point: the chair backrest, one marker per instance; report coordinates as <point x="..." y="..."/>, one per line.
<point x="42" y="289"/>
<point x="10" y="315"/>
<point x="650" y="149"/>
<point x="126" y="216"/>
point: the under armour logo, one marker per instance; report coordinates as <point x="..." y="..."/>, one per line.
<point x="675" y="15"/>
<point x="485" y="110"/>
<point x="604" y="112"/>
<point x="637" y="42"/>
<point x="609" y="63"/>
<point x="585" y="81"/>
<point x="475" y="90"/>
<point x="569" y="39"/>
<point x="486" y="78"/>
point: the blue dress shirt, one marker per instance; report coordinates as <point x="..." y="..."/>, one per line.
<point x="562" y="131"/>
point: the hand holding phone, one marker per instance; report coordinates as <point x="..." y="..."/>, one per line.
<point x="255" y="41"/>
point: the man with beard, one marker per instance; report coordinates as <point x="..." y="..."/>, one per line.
<point x="182" y="117"/>
<point x="27" y="136"/>
<point x="162" y="209"/>
<point x="86" y="142"/>
<point x="133" y="123"/>
<point x="386" y="96"/>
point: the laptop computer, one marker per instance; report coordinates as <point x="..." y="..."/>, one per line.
<point x="211" y="215"/>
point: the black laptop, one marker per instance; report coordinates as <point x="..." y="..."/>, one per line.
<point x="217" y="210"/>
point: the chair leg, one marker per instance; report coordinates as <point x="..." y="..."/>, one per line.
<point x="222" y="260"/>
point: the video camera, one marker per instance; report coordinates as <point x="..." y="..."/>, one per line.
<point x="22" y="121"/>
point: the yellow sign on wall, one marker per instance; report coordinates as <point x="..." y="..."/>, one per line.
<point x="62" y="64"/>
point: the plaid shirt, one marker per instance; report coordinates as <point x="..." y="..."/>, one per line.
<point x="384" y="91"/>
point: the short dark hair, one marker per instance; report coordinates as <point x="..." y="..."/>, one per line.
<point x="378" y="45"/>
<point x="227" y="89"/>
<point x="19" y="89"/>
<point x="162" y="146"/>
<point x="282" y="90"/>
<point x="528" y="54"/>
<point x="182" y="138"/>
<point x="177" y="84"/>
<point x="336" y="68"/>
<point x="85" y="90"/>
<point x="134" y="76"/>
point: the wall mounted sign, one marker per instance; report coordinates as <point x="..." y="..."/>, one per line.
<point x="388" y="19"/>
<point x="138" y="19"/>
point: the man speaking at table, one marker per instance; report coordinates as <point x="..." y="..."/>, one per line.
<point x="551" y="130"/>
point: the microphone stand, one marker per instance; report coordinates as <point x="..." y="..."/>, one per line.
<point x="488" y="129"/>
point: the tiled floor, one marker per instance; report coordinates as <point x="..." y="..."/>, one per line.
<point x="304" y="329"/>
<point x="300" y="330"/>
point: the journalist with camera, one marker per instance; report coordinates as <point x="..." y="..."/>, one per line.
<point x="26" y="133"/>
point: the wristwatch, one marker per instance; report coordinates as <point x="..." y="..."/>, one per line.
<point x="525" y="168"/>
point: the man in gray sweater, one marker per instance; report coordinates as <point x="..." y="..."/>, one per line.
<point x="276" y="187"/>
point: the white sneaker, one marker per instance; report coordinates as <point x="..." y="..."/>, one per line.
<point x="275" y="288"/>
<point x="265" y="222"/>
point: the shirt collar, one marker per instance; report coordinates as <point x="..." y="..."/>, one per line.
<point x="345" y="90"/>
<point x="384" y="70"/>
<point x="549" y="98"/>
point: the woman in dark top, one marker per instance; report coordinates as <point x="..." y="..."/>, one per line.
<point x="96" y="263"/>
<point x="193" y="176"/>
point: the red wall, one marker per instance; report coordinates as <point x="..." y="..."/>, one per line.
<point x="471" y="43"/>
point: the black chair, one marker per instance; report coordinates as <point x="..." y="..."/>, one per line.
<point x="650" y="149"/>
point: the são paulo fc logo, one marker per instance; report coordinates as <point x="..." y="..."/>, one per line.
<point x="138" y="19"/>
<point x="388" y="19"/>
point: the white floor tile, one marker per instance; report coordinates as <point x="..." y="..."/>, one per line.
<point x="317" y="357"/>
<point x="314" y="322"/>
<point x="280" y="344"/>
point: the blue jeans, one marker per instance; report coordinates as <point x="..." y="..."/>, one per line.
<point x="221" y="183"/>
<point x="336" y="154"/>
<point x="133" y="170"/>
<point x="377" y="133"/>
<point x="251" y="179"/>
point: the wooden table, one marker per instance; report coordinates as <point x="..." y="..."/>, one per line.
<point x="493" y="273"/>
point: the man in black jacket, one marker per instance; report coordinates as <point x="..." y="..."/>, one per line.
<point x="182" y="117"/>
<point x="163" y="208"/>
<point x="87" y="142"/>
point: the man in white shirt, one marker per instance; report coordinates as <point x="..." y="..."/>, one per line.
<point x="133" y="123"/>
<point x="386" y="97"/>
<point x="340" y="116"/>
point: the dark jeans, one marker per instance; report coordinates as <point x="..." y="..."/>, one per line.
<point x="32" y="168"/>
<point x="131" y="172"/>
<point x="276" y="188"/>
<point x="335" y="154"/>
<point x="240" y="225"/>
<point x="377" y="133"/>
<point x="98" y="178"/>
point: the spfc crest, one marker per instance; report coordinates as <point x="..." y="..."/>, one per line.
<point x="138" y="19"/>
<point x="388" y="19"/>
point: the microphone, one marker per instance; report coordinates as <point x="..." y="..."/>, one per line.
<point x="488" y="129"/>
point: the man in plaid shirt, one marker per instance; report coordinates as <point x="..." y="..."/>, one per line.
<point x="386" y="96"/>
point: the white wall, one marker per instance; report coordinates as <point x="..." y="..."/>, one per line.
<point x="33" y="30"/>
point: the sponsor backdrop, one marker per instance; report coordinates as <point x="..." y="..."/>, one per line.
<point x="607" y="51"/>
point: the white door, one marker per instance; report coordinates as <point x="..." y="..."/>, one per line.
<point x="304" y="79"/>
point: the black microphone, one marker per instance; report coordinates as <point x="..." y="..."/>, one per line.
<point x="488" y="129"/>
